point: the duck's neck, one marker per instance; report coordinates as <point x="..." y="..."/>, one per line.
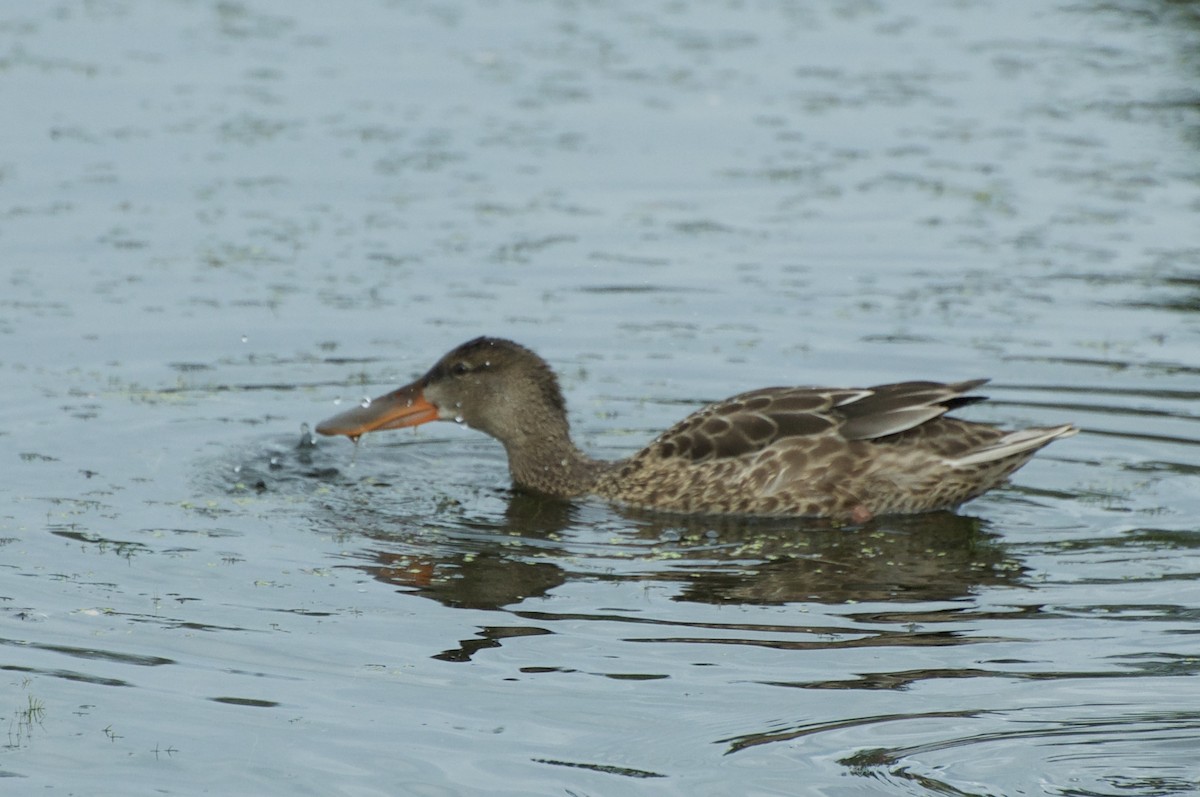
<point x="549" y="462"/>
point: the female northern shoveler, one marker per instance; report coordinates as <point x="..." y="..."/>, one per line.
<point x="845" y="453"/>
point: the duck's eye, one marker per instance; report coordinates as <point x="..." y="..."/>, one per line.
<point x="458" y="369"/>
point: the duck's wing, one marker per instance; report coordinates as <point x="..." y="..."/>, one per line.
<point x="751" y="422"/>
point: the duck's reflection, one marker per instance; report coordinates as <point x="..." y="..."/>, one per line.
<point x="490" y="562"/>
<point x="935" y="557"/>
<point x="488" y="565"/>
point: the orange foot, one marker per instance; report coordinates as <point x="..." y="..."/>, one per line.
<point x="860" y="514"/>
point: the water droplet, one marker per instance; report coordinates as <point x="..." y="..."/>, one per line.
<point x="337" y="402"/>
<point x="245" y="338"/>
<point x="237" y="468"/>
<point x="458" y="419"/>
<point x="366" y="402"/>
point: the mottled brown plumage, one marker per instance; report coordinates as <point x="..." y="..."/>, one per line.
<point x="780" y="451"/>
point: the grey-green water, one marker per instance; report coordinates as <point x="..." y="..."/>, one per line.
<point x="221" y="221"/>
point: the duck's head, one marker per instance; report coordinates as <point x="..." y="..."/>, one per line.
<point x="491" y="384"/>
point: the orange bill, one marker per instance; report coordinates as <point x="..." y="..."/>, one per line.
<point x="403" y="407"/>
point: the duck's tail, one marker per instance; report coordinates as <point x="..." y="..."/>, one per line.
<point x="1014" y="444"/>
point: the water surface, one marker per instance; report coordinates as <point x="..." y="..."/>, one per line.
<point x="223" y="221"/>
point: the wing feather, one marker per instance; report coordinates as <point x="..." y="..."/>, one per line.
<point x="751" y="422"/>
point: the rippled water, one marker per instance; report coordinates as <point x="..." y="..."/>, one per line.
<point x="222" y="221"/>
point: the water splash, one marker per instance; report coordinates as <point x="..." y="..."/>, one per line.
<point x="307" y="438"/>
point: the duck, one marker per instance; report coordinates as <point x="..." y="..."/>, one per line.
<point x="847" y="454"/>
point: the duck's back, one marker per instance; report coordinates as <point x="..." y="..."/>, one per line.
<point x="842" y="453"/>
